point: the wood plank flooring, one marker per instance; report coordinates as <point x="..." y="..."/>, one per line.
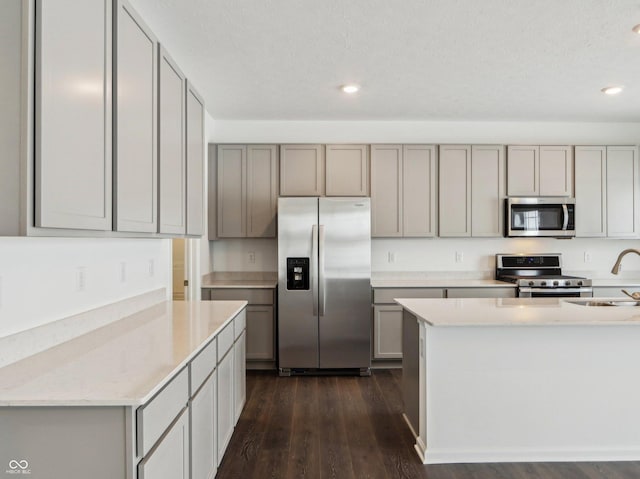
<point x="338" y="427"/>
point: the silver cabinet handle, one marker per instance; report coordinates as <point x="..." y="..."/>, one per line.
<point x="321" y="277"/>
<point x="314" y="268"/>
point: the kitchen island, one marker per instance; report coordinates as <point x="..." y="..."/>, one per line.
<point x="517" y="379"/>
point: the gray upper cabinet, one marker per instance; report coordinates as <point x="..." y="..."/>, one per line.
<point x="455" y="190"/>
<point x="171" y="153"/>
<point x="73" y="163"/>
<point x="607" y="191"/>
<point x="488" y="184"/>
<point x="135" y="94"/>
<point x="472" y="187"/>
<point x="539" y="170"/>
<point x="302" y="170"/>
<point x="195" y="162"/>
<point x="246" y="191"/>
<point x="347" y="170"/>
<point x="403" y="190"/>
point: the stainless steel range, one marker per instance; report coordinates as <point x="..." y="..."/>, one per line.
<point x="540" y="275"/>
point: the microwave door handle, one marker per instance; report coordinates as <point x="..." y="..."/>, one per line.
<point x="565" y="223"/>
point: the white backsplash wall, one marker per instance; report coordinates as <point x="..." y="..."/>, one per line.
<point x="237" y="255"/>
<point x="476" y="255"/>
<point x="46" y="279"/>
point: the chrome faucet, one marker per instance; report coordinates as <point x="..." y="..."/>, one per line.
<point x="616" y="267"/>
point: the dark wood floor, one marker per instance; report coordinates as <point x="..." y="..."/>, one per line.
<point x="352" y="428"/>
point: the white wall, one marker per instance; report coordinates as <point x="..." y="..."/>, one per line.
<point x="39" y="276"/>
<point x="432" y="254"/>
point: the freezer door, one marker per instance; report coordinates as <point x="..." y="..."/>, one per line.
<point x="297" y="321"/>
<point x="345" y="282"/>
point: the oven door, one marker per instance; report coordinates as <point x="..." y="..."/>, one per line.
<point x="527" y="292"/>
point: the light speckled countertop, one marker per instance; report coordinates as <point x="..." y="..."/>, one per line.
<point x="123" y="363"/>
<point x="518" y="312"/>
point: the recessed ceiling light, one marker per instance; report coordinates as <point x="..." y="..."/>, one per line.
<point x="612" y="90"/>
<point x="636" y="29"/>
<point x="350" y="88"/>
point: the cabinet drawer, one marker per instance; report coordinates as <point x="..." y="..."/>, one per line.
<point x="171" y="458"/>
<point x="239" y="324"/>
<point x="225" y="340"/>
<point x="202" y="365"/>
<point x="386" y="295"/>
<point x="155" y="417"/>
<point x="481" y="293"/>
<point x="253" y="296"/>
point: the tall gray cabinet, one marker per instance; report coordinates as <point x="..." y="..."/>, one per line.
<point x="73" y="164"/>
<point x="172" y="164"/>
<point x="135" y="90"/>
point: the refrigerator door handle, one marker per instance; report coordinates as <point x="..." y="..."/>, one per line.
<point x="314" y="268"/>
<point x="321" y="278"/>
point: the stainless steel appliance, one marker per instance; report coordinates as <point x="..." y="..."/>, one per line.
<point x="543" y="216"/>
<point x="324" y="285"/>
<point x="540" y="275"/>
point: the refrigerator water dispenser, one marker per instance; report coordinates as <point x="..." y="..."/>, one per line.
<point x="298" y="273"/>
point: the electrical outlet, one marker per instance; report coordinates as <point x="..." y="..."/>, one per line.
<point x="81" y="278"/>
<point x="252" y="257"/>
<point x="123" y="272"/>
<point x="152" y="268"/>
<point x="587" y="257"/>
<point x="459" y="256"/>
<point x="391" y="257"/>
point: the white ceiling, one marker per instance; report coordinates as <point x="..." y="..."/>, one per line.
<point x="522" y="60"/>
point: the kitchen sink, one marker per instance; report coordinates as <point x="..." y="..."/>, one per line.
<point x="615" y="302"/>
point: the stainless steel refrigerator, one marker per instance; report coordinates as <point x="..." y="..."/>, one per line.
<point x="324" y="285"/>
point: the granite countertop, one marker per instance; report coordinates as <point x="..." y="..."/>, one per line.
<point x="240" y="279"/>
<point x="519" y="312"/>
<point x="124" y="363"/>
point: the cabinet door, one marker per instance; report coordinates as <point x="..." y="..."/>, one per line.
<point x="523" y="170"/>
<point x="73" y="163"/>
<point x="225" y="404"/>
<point x="455" y="190"/>
<point x="262" y="190"/>
<point x="232" y="160"/>
<point x="260" y="333"/>
<point x="171" y="153"/>
<point x="487" y="190"/>
<point x="591" y="191"/>
<point x="195" y="162"/>
<point x="239" y="375"/>
<point x="481" y="292"/>
<point x="135" y="91"/>
<point x="622" y="192"/>
<point x="386" y="190"/>
<point x="301" y="170"/>
<point x="387" y="332"/>
<point x="556" y="171"/>
<point x="347" y="170"/>
<point x="418" y="190"/>
<point x="203" y="430"/>
<point x="170" y="458"/>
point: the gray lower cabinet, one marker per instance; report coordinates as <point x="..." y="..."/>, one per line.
<point x="170" y="458"/>
<point x="612" y="291"/>
<point x="73" y="163"/>
<point x="260" y="330"/>
<point x="225" y="405"/>
<point x="240" y="373"/>
<point x="387" y="314"/>
<point x="204" y="450"/>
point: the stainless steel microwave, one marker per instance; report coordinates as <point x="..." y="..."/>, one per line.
<point x="543" y="216"/>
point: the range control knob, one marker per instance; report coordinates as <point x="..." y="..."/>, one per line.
<point x="531" y="283"/>
<point x="579" y="283"/>
<point x="544" y="283"/>
<point x="556" y="283"/>
<point x="568" y="283"/>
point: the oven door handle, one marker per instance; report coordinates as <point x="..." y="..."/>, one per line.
<point x="565" y="223"/>
<point x="558" y="291"/>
